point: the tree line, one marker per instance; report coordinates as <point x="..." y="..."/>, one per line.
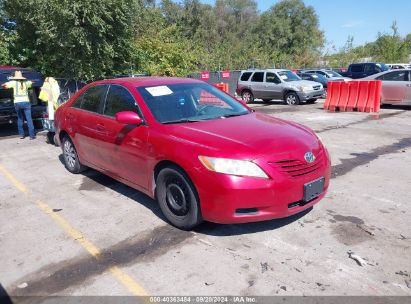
<point x="91" y="39"/>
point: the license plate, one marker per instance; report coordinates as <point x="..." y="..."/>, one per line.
<point x="313" y="189"/>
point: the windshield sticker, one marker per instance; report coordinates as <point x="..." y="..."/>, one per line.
<point x="284" y="77"/>
<point x="159" y="91"/>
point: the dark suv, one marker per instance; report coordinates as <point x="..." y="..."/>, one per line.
<point x="7" y="112"/>
<point x="361" y="70"/>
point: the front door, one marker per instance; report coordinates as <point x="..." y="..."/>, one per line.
<point x="407" y="99"/>
<point x="394" y="86"/>
<point x="125" y="146"/>
<point x="272" y="88"/>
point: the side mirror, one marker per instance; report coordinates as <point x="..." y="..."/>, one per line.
<point x="129" y="118"/>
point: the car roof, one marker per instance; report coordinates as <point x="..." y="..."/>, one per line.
<point x="265" y="70"/>
<point x="147" y="81"/>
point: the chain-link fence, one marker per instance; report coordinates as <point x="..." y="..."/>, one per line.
<point x="216" y="77"/>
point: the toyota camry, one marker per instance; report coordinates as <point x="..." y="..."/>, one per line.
<point x="202" y="154"/>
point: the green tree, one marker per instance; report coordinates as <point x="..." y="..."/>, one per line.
<point x="391" y="48"/>
<point x="76" y="38"/>
<point x="289" y="32"/>
<point x="167" y="54"/>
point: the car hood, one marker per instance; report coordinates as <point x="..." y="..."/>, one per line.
<point x="247" y="137"/>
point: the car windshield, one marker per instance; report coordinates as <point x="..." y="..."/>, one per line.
<point x="189" y="102"/>
<point x="333" y="74"/>
<point x="288" y="76"/>
<point x="383" y="67"/>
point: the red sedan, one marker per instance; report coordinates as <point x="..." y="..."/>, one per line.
<point x="201" y="153"/>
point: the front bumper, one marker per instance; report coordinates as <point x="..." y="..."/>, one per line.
<point x="304" y="96"/>
<point x="232" y="199"/>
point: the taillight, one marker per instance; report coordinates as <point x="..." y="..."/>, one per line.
<point x="45" y="115"/>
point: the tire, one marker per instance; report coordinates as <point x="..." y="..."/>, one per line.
<point x="247" y="96"/>
<point x="71" y="161"/>
<point x="312" y="100"/>
<point x="291" y="99"/>
<point x="178" y="198"/>
<point x="50" y="138"/>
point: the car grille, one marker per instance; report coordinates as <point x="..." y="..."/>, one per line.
<point x="296" y="168"/>
<point x="316" y="88"/>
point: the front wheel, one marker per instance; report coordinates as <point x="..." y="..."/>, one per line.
<point x="292" y="99"/>
<point x="247" y="96"/>
<point x="177" y="198"/>
<point x="71" y="161"/>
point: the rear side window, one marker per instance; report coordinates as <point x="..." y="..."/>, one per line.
<point x="119" y="99"/>
<point x="258" y="77"/>
<point x="356" y="68"/>
<point x="394" y="76"/>
<point x="77" y="103"/>
<point x="92" y="98"/>
<point x="245" y="76"/>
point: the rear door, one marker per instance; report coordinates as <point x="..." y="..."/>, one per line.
<point x="257" y="84"/>
<point x="272" y="88"/>
<point x="394" y="86"/>
<point x="90" y="125"/>
<point x="124" y="146"/>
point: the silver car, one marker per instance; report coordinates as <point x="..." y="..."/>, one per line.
<point x="277" y="84"/>
<point x="329" y="74"/>
<point x="396" y="86"/>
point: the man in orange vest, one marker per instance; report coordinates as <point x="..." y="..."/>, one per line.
<point x="21" y="86"/>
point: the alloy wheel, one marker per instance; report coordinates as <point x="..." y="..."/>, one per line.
<point x="70" y="154"/>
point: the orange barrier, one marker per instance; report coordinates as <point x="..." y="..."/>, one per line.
<point x="361" y="96"/>
<point x="222" y="86"/>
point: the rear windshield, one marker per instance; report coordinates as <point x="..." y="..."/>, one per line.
<point x="184" y="103"/>
<point x="33" y="76"/>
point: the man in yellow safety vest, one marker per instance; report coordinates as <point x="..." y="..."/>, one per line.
<point x="20" y="86"/>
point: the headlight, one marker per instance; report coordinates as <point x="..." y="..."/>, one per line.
<point x="306" y="88"/>
<point x="232" y="166"/>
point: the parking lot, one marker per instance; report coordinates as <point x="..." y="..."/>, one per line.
<point x="64" y="234"/>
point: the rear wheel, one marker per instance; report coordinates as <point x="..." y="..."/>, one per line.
<point x="247" y="96"/>
<point x="71" y="161"/>
<point x="291" y="99"/>
<point x="177" y="198"/>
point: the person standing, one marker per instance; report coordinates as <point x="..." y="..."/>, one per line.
<point x="21" y="86"/>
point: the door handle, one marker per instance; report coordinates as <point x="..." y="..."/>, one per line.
<point x="100" y="128"/>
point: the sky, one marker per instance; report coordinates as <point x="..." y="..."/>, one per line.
<point x="362" y="19"/>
